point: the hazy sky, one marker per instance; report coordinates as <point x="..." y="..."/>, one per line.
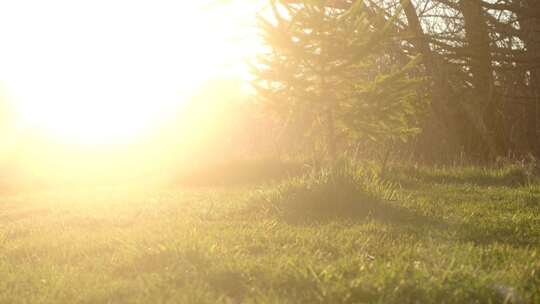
<point x="110" y="39"/>
<point x="74" y="62"/>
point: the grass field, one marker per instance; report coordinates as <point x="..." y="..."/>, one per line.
<point x="444" y="236"/>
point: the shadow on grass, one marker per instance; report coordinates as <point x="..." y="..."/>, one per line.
<point x="308" y="208"/>
<point x="512" y="176"/>
<point x="341" y="192"/>
<point x="516" y="235"/>
<point x="314" y="209"/>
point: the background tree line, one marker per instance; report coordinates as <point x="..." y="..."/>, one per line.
<point x="483" y="58"/>
<point x="462" y="75"/>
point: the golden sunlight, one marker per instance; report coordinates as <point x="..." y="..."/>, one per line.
<point x="269" y="151"/>
<point x="95" y="72"/>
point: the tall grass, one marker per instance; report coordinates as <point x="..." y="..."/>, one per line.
<point x="343" y="190"/>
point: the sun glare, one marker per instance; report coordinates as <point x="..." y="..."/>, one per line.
<point x="106" y="71"/>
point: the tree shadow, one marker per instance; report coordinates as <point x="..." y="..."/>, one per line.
<point x="353" y="211"/>
<point x="517" y="236"/>
<point x="412" y="177"/>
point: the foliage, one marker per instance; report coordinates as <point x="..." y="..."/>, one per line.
<point x="481" y="58"/>
<point x="324" y="74"/>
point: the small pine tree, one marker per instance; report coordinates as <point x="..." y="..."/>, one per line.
<point x="322" y="71"/>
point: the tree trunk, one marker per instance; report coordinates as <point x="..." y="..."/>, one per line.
<point x="484" y="142"/>
<point x="331" y="135"/>
<point x="442" y="126"/>
<point x="530" y="28"/>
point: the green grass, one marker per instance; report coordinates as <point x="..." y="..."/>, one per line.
<point x="442" y="236"/>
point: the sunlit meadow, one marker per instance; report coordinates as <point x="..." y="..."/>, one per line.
<point x="141" y="161"/>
